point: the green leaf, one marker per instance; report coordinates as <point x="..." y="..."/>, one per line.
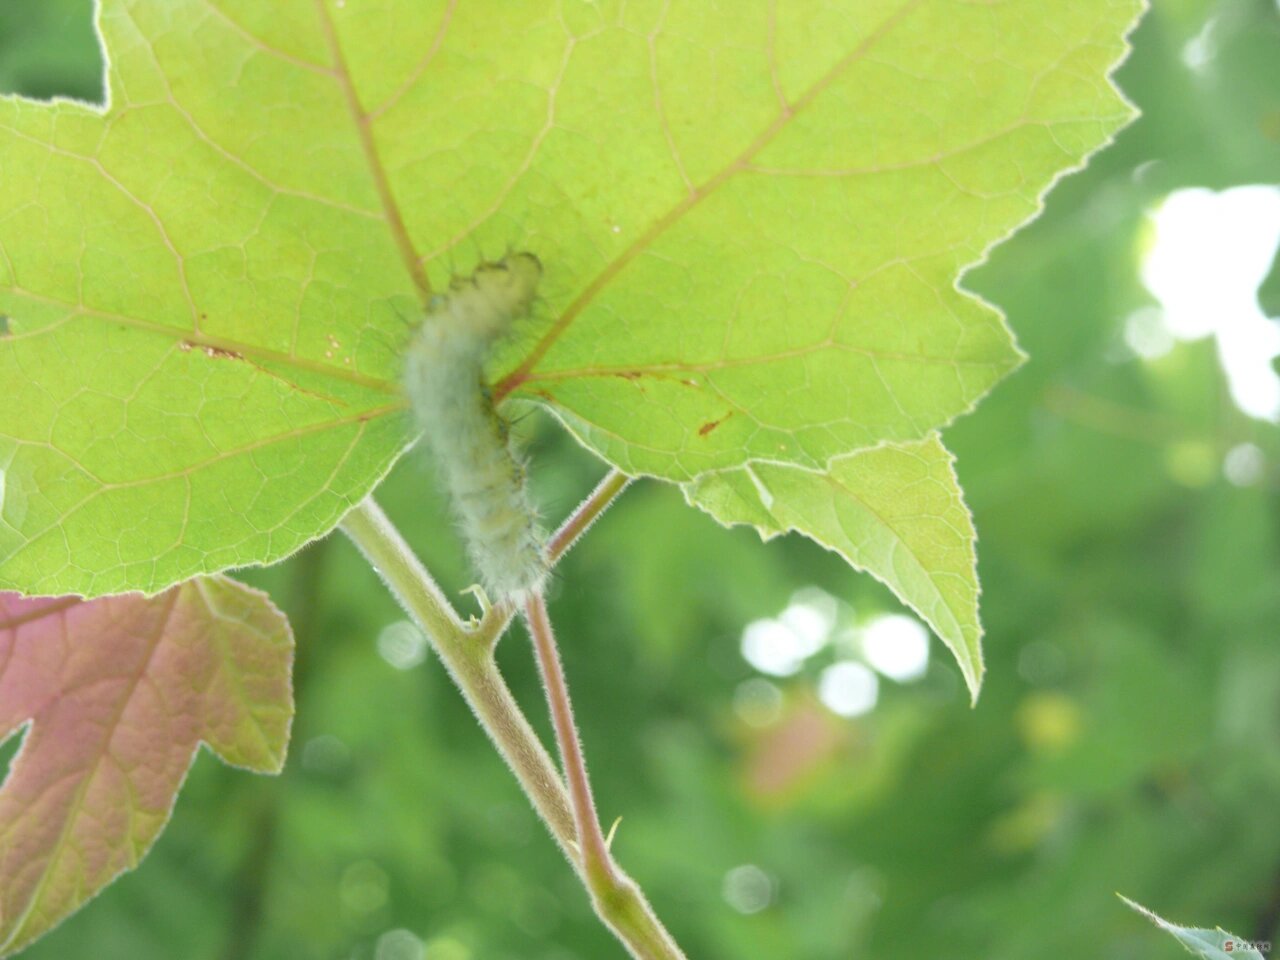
<point x="895" y="511"/>
<point x="200" y="283"/>
<point x="119" y="693"/>
<point x="777" y="278"/>
<point x="752" y="227"/>
<point x="1214" y="944"/>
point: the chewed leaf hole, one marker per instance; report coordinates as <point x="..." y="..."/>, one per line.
<point x="50" y="50"/>
<point x="9" y="748"/>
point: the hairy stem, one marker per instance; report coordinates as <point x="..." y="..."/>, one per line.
<point x="377" y="538"/>
<point x="470" y="665"/>
<point x="617" y="899"/>
<point x="615" y="896"/>
<point x="596" y="861"/>
<point x="614" y="482"/>
<point x="497" y="619"/>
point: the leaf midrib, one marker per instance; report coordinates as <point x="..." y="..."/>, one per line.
<point x="362" y="120"/>
<point x="223" y="345"/>
<point x="361" y="419"/>
<point x="739" y="164"/>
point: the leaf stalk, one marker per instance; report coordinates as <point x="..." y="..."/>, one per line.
<point x="569" y="813"/>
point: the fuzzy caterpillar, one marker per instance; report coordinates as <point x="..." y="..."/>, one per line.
<point x="444" y="377"/>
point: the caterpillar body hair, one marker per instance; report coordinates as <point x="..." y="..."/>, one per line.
<point x="444" y="378"/>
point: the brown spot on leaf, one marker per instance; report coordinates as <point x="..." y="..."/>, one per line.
<point x="710" y="425"/>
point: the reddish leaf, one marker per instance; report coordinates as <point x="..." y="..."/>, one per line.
<point x="119" y="693"/>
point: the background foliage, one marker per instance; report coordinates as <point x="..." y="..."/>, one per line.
<point x="1128" y="733"/>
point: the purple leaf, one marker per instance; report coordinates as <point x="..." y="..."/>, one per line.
<point x="119" y="692"/>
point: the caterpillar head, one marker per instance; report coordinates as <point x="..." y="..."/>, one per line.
<point x="497" y="293"/>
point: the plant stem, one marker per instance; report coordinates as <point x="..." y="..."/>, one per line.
<point x="377" y="538"/>
<point x="595" y="852"/>
<point x="470" y="665"/>
<point x="617" y="899"/>
<point x="614" y="482"/>
<point x="495" y="621"/>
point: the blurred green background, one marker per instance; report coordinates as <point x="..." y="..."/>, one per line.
<point x="1128" y="738"/>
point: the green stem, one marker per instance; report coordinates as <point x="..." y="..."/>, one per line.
<point x="617" y="899"/>
<point x="471" y="665"/>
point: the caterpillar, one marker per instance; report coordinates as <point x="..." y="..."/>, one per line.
<point x="485" y="476"/>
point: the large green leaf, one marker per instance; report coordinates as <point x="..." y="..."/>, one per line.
<point x="752" y="225"/>
<point x="781" y="284"/>
<point x="895" y="511"/>
<point x="199" y="283"/>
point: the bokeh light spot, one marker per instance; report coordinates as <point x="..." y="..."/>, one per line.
<point x="1211" y="252"/>
<point x="748" y="889"/>
<point x="848" y="689"/>
<point x="399" y="945"/>
<point x="402" y="645"/>
<point x="897" y="646"/>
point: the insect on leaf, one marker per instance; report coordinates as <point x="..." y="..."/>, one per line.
<point x="752" y="227"/>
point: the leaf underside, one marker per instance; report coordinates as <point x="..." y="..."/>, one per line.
<point x="752" y="228"/>
<point x="895" y="511"/>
